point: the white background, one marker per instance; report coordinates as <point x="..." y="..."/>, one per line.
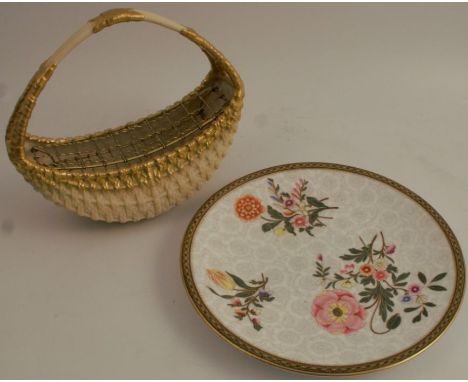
<point x="382" y="87"/>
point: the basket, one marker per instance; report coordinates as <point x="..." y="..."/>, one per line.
<point x="143" y="168"/>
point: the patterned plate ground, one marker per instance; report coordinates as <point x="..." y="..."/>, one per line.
<point x="323" y="268"/>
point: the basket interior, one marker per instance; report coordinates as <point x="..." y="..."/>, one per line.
<point x="137" y="141"/>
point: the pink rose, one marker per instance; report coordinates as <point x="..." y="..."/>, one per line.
<point x="338" y="312"/>
<point x="380" y="275"/>
<point x="300" y="222"/>
<point x="389" y="249"/>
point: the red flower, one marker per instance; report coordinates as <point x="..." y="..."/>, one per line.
<point x="236" y="302"/>
<point x="249" y="207"/>
<point x="239" y="313"/>
<point x="380" y="275"/>
<point x="288" y="203"/>
<point x="415" y="288"/>
<point x="366" y="269"/>
<point x="300" y="222"/>
<point x="320" y="257"/>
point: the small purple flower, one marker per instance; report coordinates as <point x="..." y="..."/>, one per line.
<point x="262" y="293"/>
<point x="288" y="203"/>
<point x="406" y="299"/>
<point x="320" y="258"/>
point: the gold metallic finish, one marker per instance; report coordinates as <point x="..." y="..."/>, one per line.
<point x="291" y="365"/>
<point x="119" y="174"/>
<point x="114" y="16"/>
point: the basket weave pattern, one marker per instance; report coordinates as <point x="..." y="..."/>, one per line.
<point x="130" y="190"/>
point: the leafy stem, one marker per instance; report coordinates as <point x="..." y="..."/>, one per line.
<point x="371" y="245"/>
<point x="245" y="294"/>
<point x="396" y="288"/>
<point x="377" y="306"/>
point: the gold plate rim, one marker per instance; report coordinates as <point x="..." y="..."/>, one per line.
<point x="315" y="369"/>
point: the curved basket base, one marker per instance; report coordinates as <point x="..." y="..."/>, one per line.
<point x="147" y="201"/>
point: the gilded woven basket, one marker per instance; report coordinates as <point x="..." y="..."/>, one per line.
<point x="144" y="168"/>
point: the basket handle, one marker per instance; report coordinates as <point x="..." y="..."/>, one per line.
<point x="107" y="19"/>
<point x="17" y="127"/>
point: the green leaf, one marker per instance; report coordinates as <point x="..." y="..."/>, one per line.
<point x="315" y="202"/>
<point x="408" y="310"/>
<point x="438" y="288"/>
<point x="358" y="257"/>
<point x="424" y="312"/>
<point x="275" y="214"/>
<point x="422" y="277"/>
<point x="383" y="312"/>
<point x="226" y="296"/>
<point x="355" y="251"/>
<point x="313" y="217"/>
<point x="348" y="257"/>
<point x="239" y="281"/>
<point x="257" y="326"/>
<point x="365" y="299"/>
<point x="308" y="230"/>
<point x="269" y="226"/>
<point x="440" y="276"/>
<point x="394" y="321"/>
<point x="338" y="276"/>
<point x="289" y="227"/>
<point x="430" y="304"/>
<point x="367" y="280"/>
<point x="391" y="268"/>
<point x="245" y="294"/>
<point x="402" y="276"/>
<point x="417" y="318"/>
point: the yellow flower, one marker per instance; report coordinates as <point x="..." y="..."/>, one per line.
<point x="280" y="231"/>
<point x="221" y="279"/>
<point x="380" y="264"/>
<point x="348" y="284"/>
<point x="338" y="312"/>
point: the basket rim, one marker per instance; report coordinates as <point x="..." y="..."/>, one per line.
<point x="132" y="174"/>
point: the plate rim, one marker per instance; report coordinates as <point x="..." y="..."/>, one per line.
<point x="317" y="369"/>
